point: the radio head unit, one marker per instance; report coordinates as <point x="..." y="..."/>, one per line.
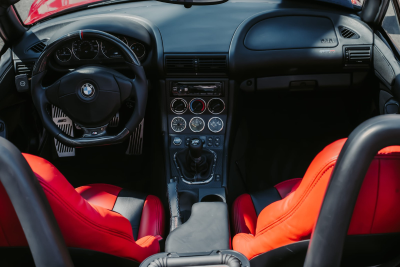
<point x="197" y="88"/>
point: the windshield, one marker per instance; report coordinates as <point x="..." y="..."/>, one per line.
<point x="32" y="11"/>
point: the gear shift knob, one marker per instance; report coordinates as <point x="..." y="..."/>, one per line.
<point x="196" y="148"/>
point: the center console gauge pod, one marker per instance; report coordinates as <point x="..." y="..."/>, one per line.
<point x="216" y="106"/>
<point x="197" y="124"/>
<point x="178" y="124"/>
<point x="197" y="106"/>
<point x="179" y="106"/>
<point x="215" y="125"/>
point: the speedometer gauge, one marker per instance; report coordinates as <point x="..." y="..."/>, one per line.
<point x="196" y="124"/>
<point x="110" y="50"/>
<point x="85" y="49"/>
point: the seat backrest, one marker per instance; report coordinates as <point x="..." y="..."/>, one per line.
<point x="293" y="218"/>
<point x="82" y="224"/>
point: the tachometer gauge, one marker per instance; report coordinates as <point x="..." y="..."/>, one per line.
<point x="63" y="54"/>
<point x="85" y="49"/>
<point x="110" y="50"/>
<point x="138" y="49"/>
<point x="178" y="124"/>
<point x="196" y="124"/>
<point x="215" y="125"/>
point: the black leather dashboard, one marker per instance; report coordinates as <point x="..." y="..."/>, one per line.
<point x="251" y="33"/>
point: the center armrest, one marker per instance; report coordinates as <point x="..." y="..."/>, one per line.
<point x="207" y="229"/>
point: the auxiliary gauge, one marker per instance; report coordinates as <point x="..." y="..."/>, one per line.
<point x="178" y="124"/>
<point x="215" y="125"/>
<point x="196" y="124"/>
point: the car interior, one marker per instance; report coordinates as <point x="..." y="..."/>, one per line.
<point x="200" y="133"/>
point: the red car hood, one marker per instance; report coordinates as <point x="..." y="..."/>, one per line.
<point x="44" y="8"/>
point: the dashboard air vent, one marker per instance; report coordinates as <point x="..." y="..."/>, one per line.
<point x="358" y="56"/>
<point x="348" y="33"/>
<point x="24" y="68"/>
<point x="38" y="47"/>
<point x="196" y="65"/>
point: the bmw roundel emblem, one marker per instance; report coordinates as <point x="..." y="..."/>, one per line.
<point x="87" y="90"/>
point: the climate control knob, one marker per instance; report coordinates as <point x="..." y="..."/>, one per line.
<point x="179" y="106"/>
<point x="197" y="106"/>
<point x="216" y="106"/>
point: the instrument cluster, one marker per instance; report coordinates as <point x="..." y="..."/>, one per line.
<point x="94" y="50"/>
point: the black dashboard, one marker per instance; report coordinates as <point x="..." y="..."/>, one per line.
<point x="242" y="40"/>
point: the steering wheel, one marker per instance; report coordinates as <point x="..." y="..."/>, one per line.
<point x="90" y="95"/>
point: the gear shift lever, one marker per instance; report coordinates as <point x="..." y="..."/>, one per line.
<point x="195" y="150"/>
<point x="194" y="162"/>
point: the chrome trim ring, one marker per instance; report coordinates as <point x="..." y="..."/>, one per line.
<point x="208" y="124"/>
<point x="98" y="49"/>
<point x="144" y="49"/>
<point x="122" y="38"/>
<point x="173" y="127"/>
<point x="190" y="105"/>
<point x="69" y="57"/>
<point x="204" y="124"/>
<point x="208" y="105"/>
<point x="172" y="103"/>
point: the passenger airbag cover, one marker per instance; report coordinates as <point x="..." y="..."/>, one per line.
<point x="291" y="32"/>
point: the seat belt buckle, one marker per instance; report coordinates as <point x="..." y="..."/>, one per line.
<point x="22" y="83"/>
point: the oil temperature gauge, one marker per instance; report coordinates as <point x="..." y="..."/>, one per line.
<point x="178" y="124"/>
<point x="196" y="124"/>
<point x="215" y="125"/>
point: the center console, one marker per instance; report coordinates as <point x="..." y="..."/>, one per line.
<point x="196" y="123"/>
<point x="197" y="112"/>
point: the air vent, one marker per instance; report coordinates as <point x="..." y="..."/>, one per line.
<point x="38" y="47"/>
<point x="358" y="56"/>
<point x="348" y="33"/>
<point x="196" y="65"/>
<point x="24" y="68"/>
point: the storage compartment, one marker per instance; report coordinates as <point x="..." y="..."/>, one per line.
<point x="212" y="198"/>
<point x="207" y="229"/>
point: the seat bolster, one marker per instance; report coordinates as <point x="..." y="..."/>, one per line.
<point x="153" y="218"/>
<point x="103" y="195"/>
<point x="286" y="187"/>
<point x="244" y="215"/>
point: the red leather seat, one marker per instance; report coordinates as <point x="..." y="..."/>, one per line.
<point x="288" y="212"/>
<point x="99" y="217"/>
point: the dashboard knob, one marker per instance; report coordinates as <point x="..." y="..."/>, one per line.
<point x="197" y="106"/>
<point x="216" y="106"/>
<point x="179" y="106"/>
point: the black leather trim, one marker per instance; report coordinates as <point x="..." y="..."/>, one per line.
<point x="262" y="199"/>
<point x="130" y="205"/>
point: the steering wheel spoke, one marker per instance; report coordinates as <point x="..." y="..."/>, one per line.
<point x="52" y="93"/>
<point x="94" y="131"/>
